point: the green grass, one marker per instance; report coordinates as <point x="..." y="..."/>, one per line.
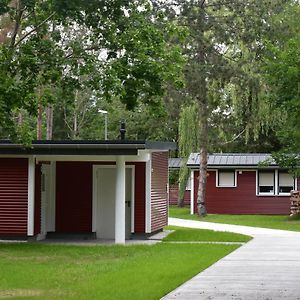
<point x="39" y="271"/>
<point x="205" y="235"/>
<point x="275" y="222"/>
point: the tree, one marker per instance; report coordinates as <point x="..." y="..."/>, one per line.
<point x="224" y="50"/>
<point x="115" y="48"/>
<point x="188" y="143"/>
<point x="282" y="73"/>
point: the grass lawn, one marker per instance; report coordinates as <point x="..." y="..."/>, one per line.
<point x="32" y="271"/>
<point x="189" y="234"/>
<point x="276" y="222"/>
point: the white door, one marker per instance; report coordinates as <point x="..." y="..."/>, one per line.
<point x="45" y="198"/>
<point x="105" y="202"/>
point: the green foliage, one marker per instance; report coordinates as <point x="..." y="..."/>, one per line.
<point x="188" y="142"/>
<point x="173" y="176"/>
<point x="53" y="50"/>
<point x="290" y="161"/>
<point x="282" y="74"/>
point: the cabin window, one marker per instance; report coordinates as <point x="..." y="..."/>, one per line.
<point x="266" y="183"/>
<point x="226" y="178"/>
<point x="286" y="183"/>
<point x="188" y="184"/>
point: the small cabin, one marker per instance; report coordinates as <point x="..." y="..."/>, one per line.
<point x="112" y="189"/>
<point x="238" y="184"/>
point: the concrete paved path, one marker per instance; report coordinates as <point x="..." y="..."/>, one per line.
<point x="266" y="268"/>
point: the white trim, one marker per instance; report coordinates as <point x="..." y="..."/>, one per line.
<point x="226" y="186"/>
<point x="45" y="178"/>
<point x="95" y="191"/>
<point x="30" y="204"/>
<point x="192" y="193"/>
<point x="120" y="187"/>
<point x="276" y="182"/>
<point x="258" y="194"/>
<point x="148" y="197"/>
<point x="142" y="156"/>
<point x="256" y="182"/>
<point x="286" y="194"/>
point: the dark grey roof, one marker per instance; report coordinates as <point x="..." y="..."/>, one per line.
<point x="84" y="147"/>
<point x="174" y="163"/>
<point x="230" y="159"/>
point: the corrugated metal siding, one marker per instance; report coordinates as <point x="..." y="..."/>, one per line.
<point x="139" y="196"/>
<point x="74" y="197"/>
<point x="159" y="196"/>
<point x="173" y="195"/>
<point x="242" y="199"/>
<point x="37" y="199"/>
<point x="13" y="196"/>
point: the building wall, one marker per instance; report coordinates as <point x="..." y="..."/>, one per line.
<point x="173" y="195"/>
<point x="13" y="196"/>
<point x="139" y="197"/>
<point x="74" y="197"/>
<point x="241" y="199"/>
<point x="159" y="195"/>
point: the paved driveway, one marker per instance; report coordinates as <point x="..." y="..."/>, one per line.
<point x="266" y="268"/>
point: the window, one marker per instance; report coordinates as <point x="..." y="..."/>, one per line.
<point x="266" y="183"/>
<point x="226" y="178"/>
<point x="285" y="183"/>
<point x="188" y="184"/>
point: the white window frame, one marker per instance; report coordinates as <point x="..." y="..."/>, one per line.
<point x="275" y="183"/>
<point x="294" y="183"/>
<point x="228" y="171"/>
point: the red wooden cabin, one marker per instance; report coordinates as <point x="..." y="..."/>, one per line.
<point x="104" y="189"/>
<point x="236" y="184"/>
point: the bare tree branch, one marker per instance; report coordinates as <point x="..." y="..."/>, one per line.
<point x="34" y="29"/>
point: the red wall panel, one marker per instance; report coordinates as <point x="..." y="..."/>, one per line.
<point x="241" y="199"/>
<point x="159" y="195"/>
<point x="13" y="196"/>
<point x="74" y="197"/>
<point x="173" y="195"/>
<point x="140" y="196"/>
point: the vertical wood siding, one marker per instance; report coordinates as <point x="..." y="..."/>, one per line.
<point x="173" y="195"/>
<point x="74" y="197"/>
<point x="241" y="199"/>
<point x="37" y="199"/>
<point x="13" y="196"/>
<point x="159" y="196"/>
<point x="139" y="196"/>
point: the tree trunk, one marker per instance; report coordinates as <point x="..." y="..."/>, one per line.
<point x="203" y="114"/>
<point x="180" y="202"/>
<point x="49" y="113"/>
<point x="20" y="119"/>
<point x="203" y="124"/>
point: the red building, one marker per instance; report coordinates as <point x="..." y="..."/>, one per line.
<point x="104" y="189"/>
<point x="236" y="184"/>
